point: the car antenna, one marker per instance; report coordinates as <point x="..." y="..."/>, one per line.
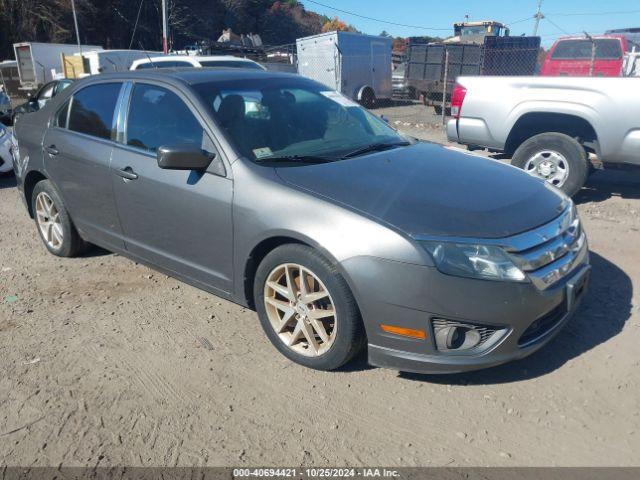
<point x="147" y="54"/>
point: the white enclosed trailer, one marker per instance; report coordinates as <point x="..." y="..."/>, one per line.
<point x="37" y="60"/>
<point x="356" y="65"/>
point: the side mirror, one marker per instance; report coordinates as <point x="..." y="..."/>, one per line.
<point x="183" y="157"/>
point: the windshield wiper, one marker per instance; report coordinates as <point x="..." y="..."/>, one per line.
<point x="297" y="158"/>
<point x="375" y="147"/>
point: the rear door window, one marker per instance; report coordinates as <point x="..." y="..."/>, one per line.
<point x="158" y="116"/>
<point x="92" y="110"/>
<point x="606" y="49"/>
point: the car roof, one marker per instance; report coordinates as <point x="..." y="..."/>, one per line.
<point x="191" y="76"/>
<point x="207" y="58"/>
<point x="193" y="58"/>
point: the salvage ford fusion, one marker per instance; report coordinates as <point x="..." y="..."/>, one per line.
<point x="271" y="191"/>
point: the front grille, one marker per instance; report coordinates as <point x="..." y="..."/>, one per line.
<point x="542" y="326"/>
<point x="549" y="253"/>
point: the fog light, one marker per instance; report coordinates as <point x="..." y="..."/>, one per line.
<point x="452" y="336"/>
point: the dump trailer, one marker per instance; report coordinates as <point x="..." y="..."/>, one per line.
<point x="356" y="65"/>
<point x="432" y="68"/>
<point x="37" y="60"/>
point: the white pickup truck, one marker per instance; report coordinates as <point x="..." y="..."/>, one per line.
<point x="549" y="126"/>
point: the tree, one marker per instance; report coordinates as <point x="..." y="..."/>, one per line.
<point x="337" y="25"/>
<point x="399" y="44"/>
<point x="384" y="33"/>
<point x="110" y="23"/>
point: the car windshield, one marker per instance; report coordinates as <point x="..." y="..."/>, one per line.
<point x="293" y="119"/>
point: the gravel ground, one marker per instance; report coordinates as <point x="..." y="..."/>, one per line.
<point x="106" y="362"/>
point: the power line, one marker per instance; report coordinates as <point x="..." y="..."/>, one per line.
<point x="135" y="26"/>
<point x="377" y="19"/>
<point x="556" y="25"/>
<point x="583" y="14"/>
<point x="520" y="21"/>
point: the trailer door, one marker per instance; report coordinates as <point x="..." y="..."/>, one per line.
<point x="25" y="65"/>
<point x="379" y="59"/>
<point x="318" y="60"/>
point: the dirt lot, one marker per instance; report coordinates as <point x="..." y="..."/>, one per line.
<point x="105" y="362"/>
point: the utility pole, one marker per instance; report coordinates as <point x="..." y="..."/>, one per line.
<point x="165" y="27"/>
<point x="538" y="16"/>
<point x="75" y="21"/>
<point x="592" y="63"/>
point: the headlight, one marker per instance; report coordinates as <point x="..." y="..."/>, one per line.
<point x="485" y="262"/>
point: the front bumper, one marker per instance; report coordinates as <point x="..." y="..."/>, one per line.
<point x="419" y="294"/>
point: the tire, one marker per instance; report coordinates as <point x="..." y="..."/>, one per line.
<point x="368" y="98"/>
<point x="554" y="150"/>
<point x="347" y="334"/>
<point x="63" y="239"/>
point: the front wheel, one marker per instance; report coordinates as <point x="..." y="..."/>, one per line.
<point x="306" y="308"/>
<point x="556" y="158"/>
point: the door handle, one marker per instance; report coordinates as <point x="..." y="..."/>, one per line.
<point x="127" y="173"/>
<point x="51" y="150"/>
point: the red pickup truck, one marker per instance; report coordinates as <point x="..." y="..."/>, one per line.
<point x="571" y="56"/>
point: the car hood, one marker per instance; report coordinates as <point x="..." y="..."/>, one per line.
<point x="426" y="189"/>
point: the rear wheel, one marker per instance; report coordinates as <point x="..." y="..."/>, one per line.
<point x="556" y="158"/>
<point x="306" y="308"/>
<point x="55" y="227"/>
<point x="368" y="99"/>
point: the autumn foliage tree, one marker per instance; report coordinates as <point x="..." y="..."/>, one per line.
<point x="336" y="25"/>
<point x="110" y="23"/>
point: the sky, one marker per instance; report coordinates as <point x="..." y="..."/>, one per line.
<point x="563" y="16"/>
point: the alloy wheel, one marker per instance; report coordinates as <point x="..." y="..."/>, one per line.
<point x="48" y="218"/>
<point x="549" y="165"/>
<point x="300" y="309"/>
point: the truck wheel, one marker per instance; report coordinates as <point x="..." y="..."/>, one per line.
<point x="306" y="308"/>
<point x="55" y="227"/>
<point x="556" y="158"/>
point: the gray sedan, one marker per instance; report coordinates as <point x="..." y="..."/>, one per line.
<point x="274" y="192"/>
